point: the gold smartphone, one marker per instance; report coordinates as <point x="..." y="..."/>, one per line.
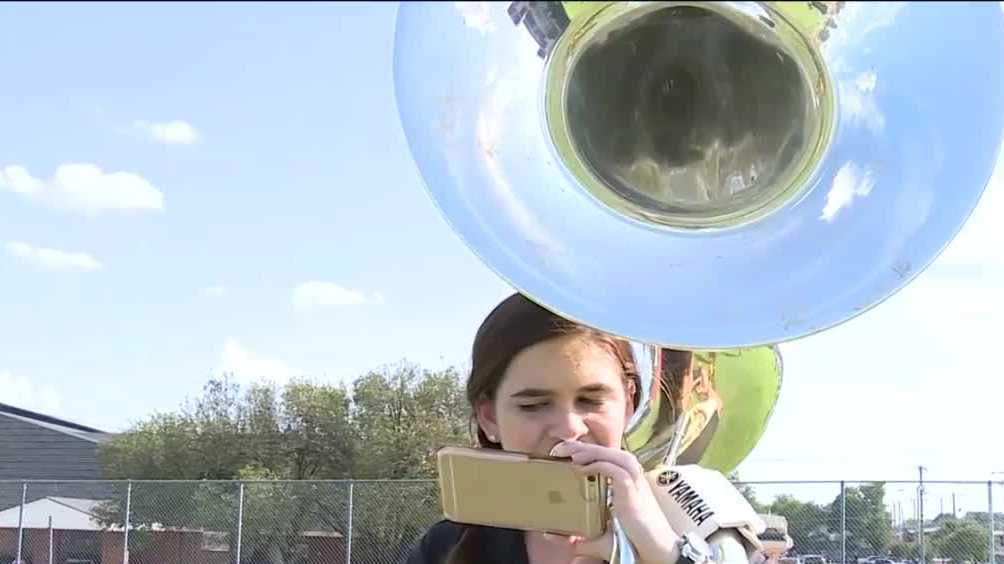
<point x="511" y="490"/>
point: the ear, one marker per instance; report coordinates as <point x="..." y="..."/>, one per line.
<point x="630" y="388"/>
<point x="485" y="412"/>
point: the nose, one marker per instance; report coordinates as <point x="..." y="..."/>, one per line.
<point x="568" y="425"/>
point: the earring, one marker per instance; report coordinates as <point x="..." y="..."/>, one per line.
<point x="492" y="438"/>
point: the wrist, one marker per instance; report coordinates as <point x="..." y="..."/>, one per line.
<point x="662" y="550"/>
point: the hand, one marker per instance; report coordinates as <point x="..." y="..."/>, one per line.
<point x="634" y="505"/>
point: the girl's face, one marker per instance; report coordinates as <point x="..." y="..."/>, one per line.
<point x="568" y="388"/>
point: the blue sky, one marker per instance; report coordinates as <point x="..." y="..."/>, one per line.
<point x="192" y="188"/>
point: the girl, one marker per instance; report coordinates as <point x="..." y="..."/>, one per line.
<point x="542" y="384"/>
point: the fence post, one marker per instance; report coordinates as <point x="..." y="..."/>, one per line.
<point x="843" y="523"/>
<point x="20" y="520"/>
<point x="990" y="512"/>
<point x="125" y="539"/>
<point x="240" y="519"/>
<point x="348" y="539"/>
<point x="920" y="520"/>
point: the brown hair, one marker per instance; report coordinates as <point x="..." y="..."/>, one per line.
<point x="514" y="325"/>
<point x="518" y="323"/>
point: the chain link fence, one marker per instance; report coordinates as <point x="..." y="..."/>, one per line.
<point x="888" y="522"/>
<point x="378" y="521"/>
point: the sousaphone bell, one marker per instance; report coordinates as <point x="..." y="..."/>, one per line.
<point x="705" y="179"/>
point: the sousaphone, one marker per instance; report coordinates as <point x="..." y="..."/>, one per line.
<point x="703" y="178"/>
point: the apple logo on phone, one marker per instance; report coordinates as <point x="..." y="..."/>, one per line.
<point x="554" y="496"/>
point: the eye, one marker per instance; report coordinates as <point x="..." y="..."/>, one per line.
<point x="592" y="402"/>
<point x="532" y="406"/>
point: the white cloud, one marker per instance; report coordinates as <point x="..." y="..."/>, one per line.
<point x="21" y="392"/>
<point x="848" y="184"/>
<point x="855" y="22"/>
<point x="175" y="132"/>
<point x="85" y="188"/>
<point x="53" y="259"/>
<point x="249" y="366"/>
<point x="858" y="102"/>
<point x="324" y="294"/>
<point x="215" y="291"/>
<point x="476" y="16"/>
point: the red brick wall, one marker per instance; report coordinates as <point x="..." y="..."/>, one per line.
<point x="8" y="541"/>
<point x="165" y="548"/>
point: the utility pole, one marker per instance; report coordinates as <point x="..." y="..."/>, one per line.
<point x="920" y="505"/>
<point x="954" y="513"/>
<point x="990" y="513"/>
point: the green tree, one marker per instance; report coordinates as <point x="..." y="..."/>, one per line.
<point x="747" y="490"/>
<point x="903" y="550"/>
<point x="961" y="540"/>
<point x="316" y="432"/>
<point x="807" y="523"/>
<point x="199" y="442"/>
<point x="869" y="529"/>
<point x="983" y="518"/>
<point x="389" y="426"/>
<point x="402" y="415"/>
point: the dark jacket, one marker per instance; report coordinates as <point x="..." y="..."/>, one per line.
<point x="495" y="545"/>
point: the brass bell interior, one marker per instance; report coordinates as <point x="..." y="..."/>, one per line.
<point x="688" y="115"/>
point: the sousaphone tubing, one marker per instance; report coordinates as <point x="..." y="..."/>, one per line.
<point x="704" y="179"/>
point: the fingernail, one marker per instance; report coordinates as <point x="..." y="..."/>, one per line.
<point x="557" y="449"/>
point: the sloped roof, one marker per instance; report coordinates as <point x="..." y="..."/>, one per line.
<point x="68" y="514"/>
<point x="52" y="423"/>
<point x="72" y="514"/>
<point x="78" y="514"/>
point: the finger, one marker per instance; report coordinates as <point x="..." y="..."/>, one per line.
<point x="557" y="538"/>
<point x="620" y="479"/>
<point x="599" y="547"/>
<point x="584" y="453"/>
